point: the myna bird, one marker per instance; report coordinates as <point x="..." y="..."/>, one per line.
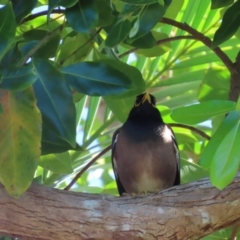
<point x="145" y="154"/>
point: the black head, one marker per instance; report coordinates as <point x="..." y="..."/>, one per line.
<point x="144" y="110"/>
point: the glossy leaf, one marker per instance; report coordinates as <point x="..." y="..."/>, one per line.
<point x="7" y="27"/>
<point x="21" y="130"/>
<point x="11" y="58"/>
<point x="201" y="112"/>
<point x="225" y="127"/>
<point x="220" y="3"/>
<point x="58" y="163"/>
<point x="83" y="16"/>
<point x="215" y="84"/>
<point x="225" y="162"/>
<point x="54" y="99"/>
<point x="18" y="78"/>
<point x="230" y="24"/>
<point x="96" y="79"/>
<point x="22" y="8"/>
<point x="150" y="16"/>
<point x="118" y="33"/>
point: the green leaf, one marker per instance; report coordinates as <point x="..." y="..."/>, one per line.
<point x="118" y="33"/>
<point x="83" y="16"/>
<point x="51" y="143"/>
<point x="105" y="17"/>
<point x="11" y="58"/>
<point x="22" y="8"/>
<point x="220" y="3"/>
<point x="20" y="150"/>
<point x="7" y="28"/>
<point x="133" y="74"/>
<point x="54" y="99"/>
<point x="225" y="162"/>
<point x="201" y="112"/>
<point x="18" y="78"/>
<point x="157" y="50"/>
<point x="139" y="2"/>
<point x="74" y="49"/>
<point x="58" y="163"/>
<point x="146" y="41"/>
<point x="191" y="171"/>
<point x="1" y="109"/>
<point x="230" y="24"/>
<point x="225" y="127"/>
<point x="150" y="16"/>
<point x="215" y="84"/>
<point x="96" y="79"/>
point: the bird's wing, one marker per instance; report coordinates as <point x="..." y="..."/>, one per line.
<point x="120" y="187"/>
<point x="176" y="150"/>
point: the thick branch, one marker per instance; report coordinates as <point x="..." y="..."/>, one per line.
<point x="189" y="211"/>
<point x="204" y="39"/>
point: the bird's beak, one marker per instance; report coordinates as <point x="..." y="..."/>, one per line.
<point x="146" y="97"/>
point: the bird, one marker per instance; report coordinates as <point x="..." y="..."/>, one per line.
<point x="145" y="155"/>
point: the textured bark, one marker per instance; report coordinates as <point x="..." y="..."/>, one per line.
<point x="189" y="211"/>
<point x="235" y="80"/>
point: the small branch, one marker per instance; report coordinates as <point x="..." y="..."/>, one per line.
<point x="234" y="232"/>
<point x="84" y="169"/>
<point x="39" y="14"/>
<point x="159" y="42"/>
<point x="204" y="39"/>
<point x="38" y="45"/>
<point x="88" y="41"/>
<point x="201" y="133"/>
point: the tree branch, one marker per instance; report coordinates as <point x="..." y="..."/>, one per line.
<point x="85" y="168"/>
<point x="159" y="42"/>
<point x="204" y="39"/>
<point x="183" y="212"/>
<point x="198" y="131"/>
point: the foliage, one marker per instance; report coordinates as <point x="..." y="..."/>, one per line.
<point x="70" y="71"/>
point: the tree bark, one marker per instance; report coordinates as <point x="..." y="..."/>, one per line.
<point x="188" y="211"/>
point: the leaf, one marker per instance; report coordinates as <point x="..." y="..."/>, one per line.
<point x="7" y="28"/>
<point x="146" y="41"/>
<point x="220" y="3"/>
<point x="18" y="78"/>
<point x="21" y="131"/>
<point x="210" y="150"/>
<point x="157" y="50"/>
<point x="229" y="25"/>
<point x="150" y="16"/>
<point x="11" y="58"/>
<point x="83" y="16"/>
<point x="58" y="163"/>
<point x="22" y="8"/>
<point x="118" y="33"/>
<point x="201" y="112"/>
<point x="215" y="84"/>
<point x="140" y="2"/>
<point x="96" y="79"/>
<point x="54" y="99"/>
<point x="225" y="162"/>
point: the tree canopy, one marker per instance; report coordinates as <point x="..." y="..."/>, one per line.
<point x="70" y="72"/>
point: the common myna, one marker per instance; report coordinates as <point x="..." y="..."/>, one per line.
<point x="145" y="154"/>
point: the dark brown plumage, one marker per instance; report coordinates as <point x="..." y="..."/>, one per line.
<point x="145" y="155"/>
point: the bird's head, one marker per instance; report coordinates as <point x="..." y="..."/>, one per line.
<point x="145" y="109"/>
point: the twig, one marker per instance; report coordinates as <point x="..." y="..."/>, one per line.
<point x="234" y="232"/>
<point x="39" y="14"/>
<point x="86" y="167"/>
<point x="159" y="42"/>
<point x="204" y="39"/>
<point x="38" y="45"/>
<point x="88" y="41"/>
<point x="201" y="133"/>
